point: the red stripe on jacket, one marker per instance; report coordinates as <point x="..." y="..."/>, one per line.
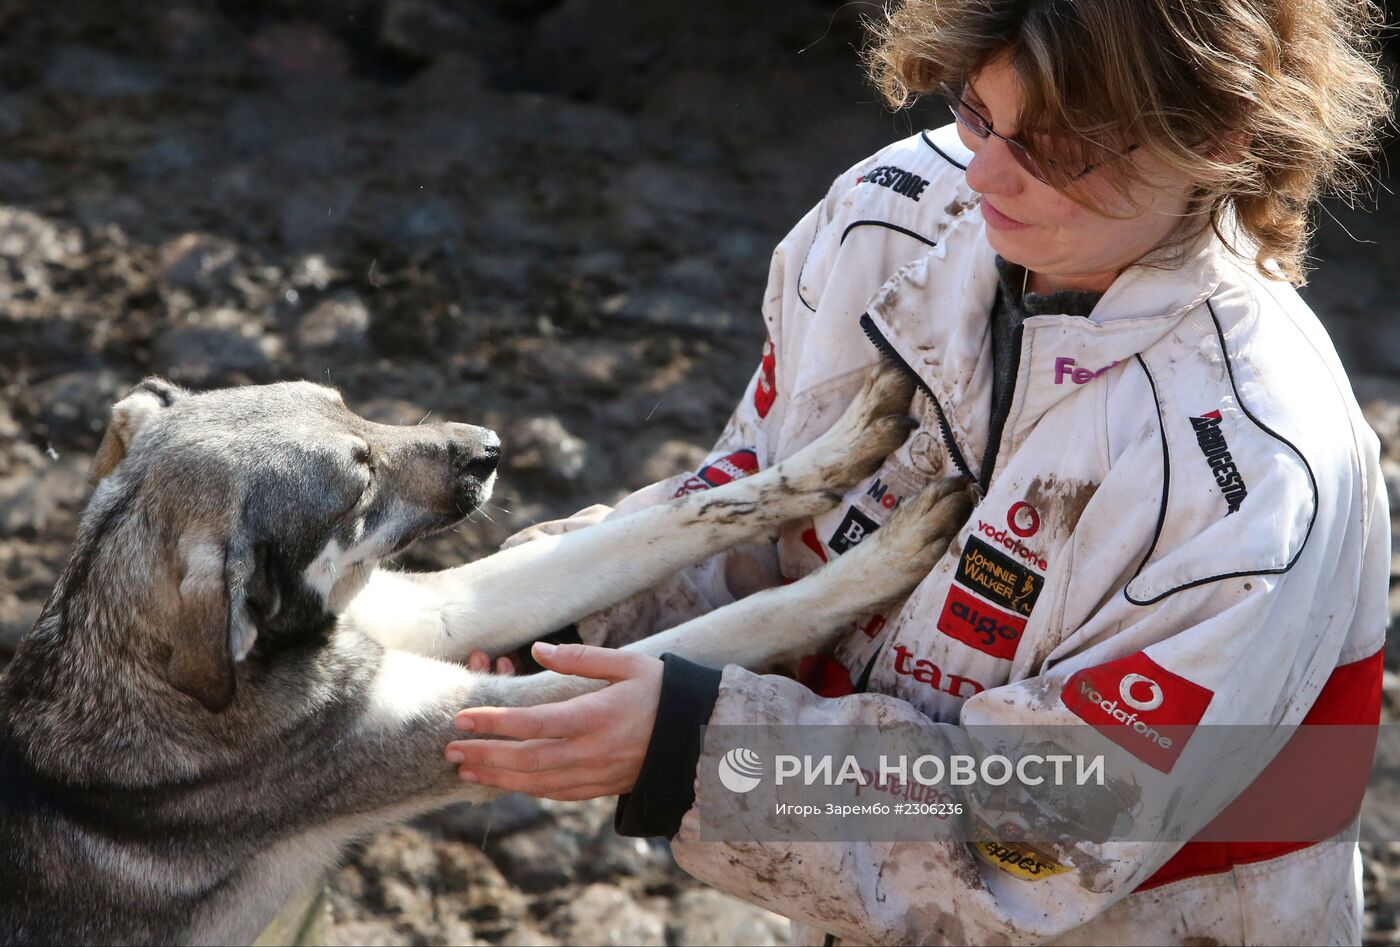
<point x="1288" y="792"/>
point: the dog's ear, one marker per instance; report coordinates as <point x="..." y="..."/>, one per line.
<point x="128" y="417"/>
<point x="214" y="629"/>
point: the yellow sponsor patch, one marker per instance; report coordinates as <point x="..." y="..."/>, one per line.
<point x="1014" y="858"/>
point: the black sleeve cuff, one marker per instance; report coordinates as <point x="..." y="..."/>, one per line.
<point x="665" y="788"/>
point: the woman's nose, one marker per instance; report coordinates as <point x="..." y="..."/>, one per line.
<point x="992" y="170"/>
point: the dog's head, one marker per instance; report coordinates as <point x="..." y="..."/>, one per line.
<point x="272" y="504"/>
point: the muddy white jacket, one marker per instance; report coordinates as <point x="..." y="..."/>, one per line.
<point x="1184" y="515"/>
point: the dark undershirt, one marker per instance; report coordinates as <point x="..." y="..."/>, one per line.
<point x="1009" y="311"/>
<point x="665" y="788"/>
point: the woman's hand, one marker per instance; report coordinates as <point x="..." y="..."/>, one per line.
<point x="585" y="517"/>
<point x="581" y="748"/>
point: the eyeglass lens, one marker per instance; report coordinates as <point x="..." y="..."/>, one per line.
<point x="979" y="126"/>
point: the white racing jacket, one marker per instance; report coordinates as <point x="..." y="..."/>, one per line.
<point x="1185" y="515"/>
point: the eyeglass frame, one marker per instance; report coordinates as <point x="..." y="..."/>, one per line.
<point x="1019" y="151"/>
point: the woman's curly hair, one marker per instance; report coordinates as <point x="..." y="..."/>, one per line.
<point x="1266" y="105"/>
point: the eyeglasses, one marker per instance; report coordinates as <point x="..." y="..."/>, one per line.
<point x="979" y="125"/>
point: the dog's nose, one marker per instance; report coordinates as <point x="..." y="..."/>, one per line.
<point x="475" y="450"/>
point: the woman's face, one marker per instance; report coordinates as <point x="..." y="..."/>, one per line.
<point x="1064" y="244"/>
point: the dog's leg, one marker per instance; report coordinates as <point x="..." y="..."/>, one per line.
<point x="380" y="765"/>
<point x="391" y="765"/>
<point x="412" y="699"/>
<point x="804" y="615"/>
<point x="511" y="598"/>
<point x="395" y="746"/>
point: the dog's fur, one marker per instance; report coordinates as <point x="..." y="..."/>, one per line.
<point x="205" y="713"/>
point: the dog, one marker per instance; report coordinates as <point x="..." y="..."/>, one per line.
<point x="202" y="716"/>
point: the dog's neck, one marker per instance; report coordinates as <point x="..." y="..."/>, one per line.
<point x="91" y="663"/>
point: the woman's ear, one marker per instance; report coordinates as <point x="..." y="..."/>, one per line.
<point x="1233" y="149"/>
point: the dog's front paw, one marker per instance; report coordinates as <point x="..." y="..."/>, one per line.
<point x="902" y="552"/>
<point x="920" y="530"/>
<point x="873" y="425"/>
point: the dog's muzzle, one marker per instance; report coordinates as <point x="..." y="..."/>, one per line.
<point x="473" y="453"/>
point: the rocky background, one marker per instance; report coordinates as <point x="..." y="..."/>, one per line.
<point x="549" y="216"/>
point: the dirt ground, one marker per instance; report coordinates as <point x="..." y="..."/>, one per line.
<point x="461" y="211"/>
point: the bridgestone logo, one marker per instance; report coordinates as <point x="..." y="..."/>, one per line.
<point x="898" y="180"/>
<point x="1217" y="451"/>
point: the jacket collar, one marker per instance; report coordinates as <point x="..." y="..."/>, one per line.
<point x="1142" y="305"/>
<point x="1063" y="354"/>
<point x="1165" y="285"/>
<point x="935" y="314"/>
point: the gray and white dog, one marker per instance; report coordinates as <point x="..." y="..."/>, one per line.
<point x="218" y="695"/>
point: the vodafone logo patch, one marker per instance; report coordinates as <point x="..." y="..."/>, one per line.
<point x="1154" y="695"/>
<point x="1140" y="705"/>
<point x="1023" y="519"/>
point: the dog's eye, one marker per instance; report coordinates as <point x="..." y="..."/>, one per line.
<point x="364" y="457"/>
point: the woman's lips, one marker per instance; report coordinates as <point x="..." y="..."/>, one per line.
<point x="996" y="219"/>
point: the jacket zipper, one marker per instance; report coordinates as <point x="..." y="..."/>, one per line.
<point x="1001" y="409"/>
<point x="888" y="350"/>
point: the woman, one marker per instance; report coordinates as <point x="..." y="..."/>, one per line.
<point x="1089" y="274"/>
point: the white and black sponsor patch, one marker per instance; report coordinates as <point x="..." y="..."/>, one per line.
<point x="902" y="182"/>
<point x="1217" y="450"/>
<point x="877" y="498"/>
<point x="854" y="527"/>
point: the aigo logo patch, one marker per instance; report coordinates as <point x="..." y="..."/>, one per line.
<point x="979" y="625"/>
<point x="1140" y="705"/>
